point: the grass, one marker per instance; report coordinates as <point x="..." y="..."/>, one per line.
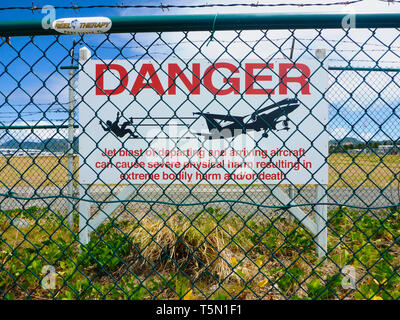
<point x="211" y="255"/>
<point x="364" y="170"/>
<point x="345" y="170"/>
<point x="42" y="171"/>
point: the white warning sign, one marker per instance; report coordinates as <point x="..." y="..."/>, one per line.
<point x="147" y="121"/>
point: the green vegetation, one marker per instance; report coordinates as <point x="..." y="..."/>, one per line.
<point x="210" y="255"/>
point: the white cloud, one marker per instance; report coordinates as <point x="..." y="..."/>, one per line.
<point x="339" y="133"/>
<point x="367" y="135"/>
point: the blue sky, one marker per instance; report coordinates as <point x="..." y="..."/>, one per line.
<point x="34" y="89"/>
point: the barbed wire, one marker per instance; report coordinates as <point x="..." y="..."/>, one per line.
<point x="389" y="1"/>
<point x="30" y="112"/>
<point x="53" y="107"/>
<point x="36" y="103"/>
<point x="163" y="7"/>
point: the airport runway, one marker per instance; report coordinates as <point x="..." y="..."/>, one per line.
<point x="153" y="199"/>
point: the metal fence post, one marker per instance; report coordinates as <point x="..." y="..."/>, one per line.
<point x="84" y="206"/>
<point x="84" y="215"/>
<point x="71" y="133"/>
<point x="321" y="218"/>
<point x="321" y="209"/>
<point x="291" y="196"/>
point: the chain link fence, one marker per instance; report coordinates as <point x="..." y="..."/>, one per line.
<point x="75" y="227"/>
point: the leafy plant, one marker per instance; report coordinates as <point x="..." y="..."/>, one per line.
<point x="106" y="248"/>
<point x="220" y="296"/>
<point x="291" y="278"/>
<point x="317" y="290"/>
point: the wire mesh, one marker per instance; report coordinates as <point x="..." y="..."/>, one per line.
<point x="198" y="240"/>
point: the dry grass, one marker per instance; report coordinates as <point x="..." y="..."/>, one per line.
<point x="36" y="172"/>
<point x="253" y="260"/>
<point x="364" y="170"/>
<point x="215" y="255"/>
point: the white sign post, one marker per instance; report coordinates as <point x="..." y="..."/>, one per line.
<point x="169" y="122"/>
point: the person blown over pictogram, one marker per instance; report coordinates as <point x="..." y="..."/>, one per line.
<point x="119" y="131"/>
